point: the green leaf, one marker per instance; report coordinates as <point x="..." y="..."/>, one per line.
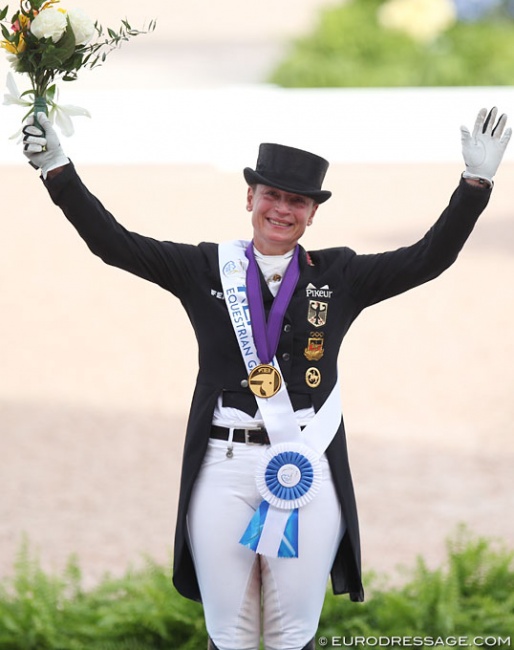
<point x="50" y="92"/>
<point x="66" y="45"/>
<point x="7" y="34"/>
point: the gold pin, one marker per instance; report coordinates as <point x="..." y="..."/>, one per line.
<point x="317" y="313"/>
<point x="313" y="377"/>
<point x="314" y="350"/>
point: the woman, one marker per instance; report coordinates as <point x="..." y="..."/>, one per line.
<point x="267" y="509"/>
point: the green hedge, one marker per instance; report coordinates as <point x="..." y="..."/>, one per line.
<point x="348" y="48"/>
<point x="472" y="594"/>
<point x="140" y="611"/>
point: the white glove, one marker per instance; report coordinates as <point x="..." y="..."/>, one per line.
<point x="41" y="145"/>
<point x="484" y="149"/>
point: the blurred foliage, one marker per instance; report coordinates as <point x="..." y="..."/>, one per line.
<point x="350" y="48"/>
<point x="471" y="595"/>
<point x="139" y="611"/>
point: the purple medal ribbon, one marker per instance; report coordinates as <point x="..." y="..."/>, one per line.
<point x="266" y="334"/>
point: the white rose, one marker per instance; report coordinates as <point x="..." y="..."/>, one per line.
<point x="83" y="27"/>
<point x="49" y="23"/>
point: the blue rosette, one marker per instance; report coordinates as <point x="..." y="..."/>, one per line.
<point x="289" y="475"/>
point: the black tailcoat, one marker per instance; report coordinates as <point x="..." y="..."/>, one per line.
<point x="335" y="285"/>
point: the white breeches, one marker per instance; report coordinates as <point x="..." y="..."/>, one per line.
<point x="240" y="588"/>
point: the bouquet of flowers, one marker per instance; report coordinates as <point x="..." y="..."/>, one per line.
<point x="46" y="42"/>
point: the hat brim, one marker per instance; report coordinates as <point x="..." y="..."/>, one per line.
<point x="253" y="178"/>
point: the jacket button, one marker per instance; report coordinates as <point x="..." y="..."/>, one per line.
<point x="244" y="383"/>
<point x="286" y="356"/>
<point x="287" y="328"/>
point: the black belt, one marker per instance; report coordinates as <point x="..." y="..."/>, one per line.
<point x="249" y="436"/>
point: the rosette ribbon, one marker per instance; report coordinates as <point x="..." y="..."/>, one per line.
<point x="288" y="477"/>
<point x="61" y="114"/>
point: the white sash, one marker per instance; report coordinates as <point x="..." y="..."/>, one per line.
<point x="293" y="453"/>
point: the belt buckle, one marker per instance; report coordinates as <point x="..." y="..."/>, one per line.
<point x="248" y="434"/>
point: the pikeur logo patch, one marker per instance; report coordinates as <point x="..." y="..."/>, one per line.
<point x="323" y="293"/>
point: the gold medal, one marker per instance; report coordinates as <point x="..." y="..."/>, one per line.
<point x="264" y="380"/>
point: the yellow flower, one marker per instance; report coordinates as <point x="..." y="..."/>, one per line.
<point x="23" y="22"/>
<point x="11" y="47"/>
<point x="49" y="4"/>
<point x="422" y="20"/>
<point x="8" y="46"/>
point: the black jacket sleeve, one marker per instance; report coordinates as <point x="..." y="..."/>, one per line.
<point x="165" y="263"/>
<point x="375" y="277"/>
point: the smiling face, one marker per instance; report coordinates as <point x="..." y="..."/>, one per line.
<point x="279" y="218"/>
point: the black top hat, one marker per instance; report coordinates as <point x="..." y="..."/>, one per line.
<point x="289" y="169"/>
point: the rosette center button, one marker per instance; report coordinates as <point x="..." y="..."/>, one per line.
<point x="289" y="475"/>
